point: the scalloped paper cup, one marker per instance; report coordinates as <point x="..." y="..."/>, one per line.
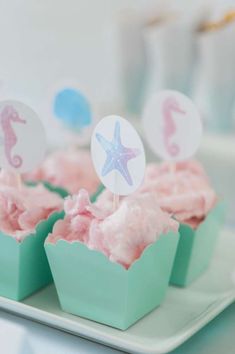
<point x="90" y="286"/>
<point x="59" y="190"/>
<point x="24" y="268"/>
<point x="195" y="248"/>
<point x="63" y="192"/>
<point x="97" y="193"/>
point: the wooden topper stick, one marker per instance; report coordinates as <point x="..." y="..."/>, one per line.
<point x="19" y="181"/>
<point x="172" y="167"/>
<point x="115" y="196"/>
<point x="115" y="202"/>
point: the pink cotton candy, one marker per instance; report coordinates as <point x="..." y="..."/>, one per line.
<point x="22" y="207"/>
<point x="182" y="189"/>
<point x="70" y="169"/>
<point x="137" y="223"/>
<point x="121" y="235"/>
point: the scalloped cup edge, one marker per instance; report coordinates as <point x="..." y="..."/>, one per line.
<point x="39" y="224"/>
<point x="76" y="243"/>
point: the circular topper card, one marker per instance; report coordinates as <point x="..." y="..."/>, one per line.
<point x="22" y="137"/>
<point x="172" y="125"/>
<point x="71" y="112"/>
<point x="118" y="155"/>
<point x="72" y="107"/>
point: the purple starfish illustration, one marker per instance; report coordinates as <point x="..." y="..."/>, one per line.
<point x="117" y="154"/>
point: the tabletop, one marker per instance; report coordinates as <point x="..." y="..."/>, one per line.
<point x="216" y="337"/>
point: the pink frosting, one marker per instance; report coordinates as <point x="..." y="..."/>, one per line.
<point x="121" y="235"/>
<point x="22" y="207"/>
<point x="70" y="169"/>
<point x="182" y="189"/>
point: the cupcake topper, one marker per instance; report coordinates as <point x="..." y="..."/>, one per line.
<point x="172" y="125"/>
<point x="72" y="109"/>
<point x="118" y="155"/>
<point x="22" y="137"/>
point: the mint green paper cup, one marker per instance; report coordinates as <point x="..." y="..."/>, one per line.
<point x="195" y="248"/>
<point x="24" y="268"/>
<point x="63" y="192"/>
<point x="97" y="193"/>
<point x="58" y="190"/>
<point x="55" y="189"/>
<point x="90" y="286"/>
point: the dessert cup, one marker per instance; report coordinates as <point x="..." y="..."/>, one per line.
<point x="59" y="190"/>
<point x="195" y="248"/>
<point x="62" y="191"/>
<point x="91" y="286"/>
<point x="24" y="267"/>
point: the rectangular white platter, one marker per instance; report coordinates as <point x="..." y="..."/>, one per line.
<point x="183" y="313"/>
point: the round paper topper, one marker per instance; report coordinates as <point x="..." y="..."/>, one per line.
<point x="172" y="125"/>
<point x="72" y="107"/>
<point x="118" y="155"/>
<point x="22" y="137"/>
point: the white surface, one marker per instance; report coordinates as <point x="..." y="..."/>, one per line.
<point x="213" y="89"/>
<point x="46" y="42"/>
<point x="44" y="340"/>
<point x="182" y="314"/>
<point x="20" y="344"/>
<point x="217" y="337"/>
<point x="171" y="48"/>
<point x="43" y="42"/>
<point x="217" y="153"/>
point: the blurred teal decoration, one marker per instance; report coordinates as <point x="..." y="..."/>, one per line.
<point x="72" y="107"/>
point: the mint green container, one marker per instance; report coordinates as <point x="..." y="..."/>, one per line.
<point x="63" y="192"/>
<point x="24" y="268"/>
<point x="58" y="190"/>
<point x="97" y="193"/>
<point x="196" y="247"/>
<point x="90" y="286"/>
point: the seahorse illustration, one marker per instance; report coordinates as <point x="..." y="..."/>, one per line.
<point x="169" y="106"/>
<point x="7" y="116"/>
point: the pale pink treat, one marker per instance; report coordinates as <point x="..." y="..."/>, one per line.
<point x="70" y="169"/>
<point x="125" y="234"/>
<point x="121" y="235"/>
<point x="105" y="200"/>
<point x="182" y="189"/>
<point x="22" y="207"/>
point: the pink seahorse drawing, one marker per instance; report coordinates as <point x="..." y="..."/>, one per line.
<point x="169" y="106"/>
<point x="7" y="116"/>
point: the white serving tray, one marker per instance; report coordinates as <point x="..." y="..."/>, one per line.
<point x="182" y="314"/>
